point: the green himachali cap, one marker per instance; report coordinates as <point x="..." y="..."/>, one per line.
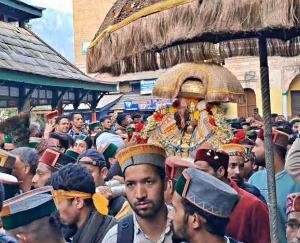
<point x="10" y="184"/>
<point x="72" y="154"/>
<point x="34" y="141"/>
<point x="7" y="139"/>
<point x="207" y="192"/>
<point x="55" y="159"/>
<point x="93" y="125"/>
<point x="27" y="207"/>
<point x="110" y="151"/>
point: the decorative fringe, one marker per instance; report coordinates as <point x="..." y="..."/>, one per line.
<point x="220" y="85"/>
<point x="169" y="37"/>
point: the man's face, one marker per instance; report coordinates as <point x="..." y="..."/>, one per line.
<point x="68" y="211"/>
<point x="54" y="144"/>
<point x="204" y="166"/>
<point x="128" y="120"/>
<point x="77" y="121"/>
<point x="236" y="168"/>
<point x="137" y="120"/>
<point x="107" y="124"/>
<point x="63" y="125"/>
<point x="80" y="146"/>
<point x="179" y="219"/>
<point x="98" y="175"/>
<point x="296" y="127"/>
<point x="144" y="190"/>
<point x="42" y="175"/>
<point x="259" y="150"/>
<point x="293" y="227"/>
<point x="96" y="130"/>
<point x="20" y="170"/>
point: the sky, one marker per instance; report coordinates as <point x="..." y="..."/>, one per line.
<point x="56" y="25"/>
<point x="59" y="5"/>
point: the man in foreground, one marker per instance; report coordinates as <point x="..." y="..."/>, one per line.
<point x="79" y="205"/>
<point x="198" y="216"/>
<point x="144" y="173"/>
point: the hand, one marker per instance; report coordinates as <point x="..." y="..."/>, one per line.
<point x="105" y="191"/>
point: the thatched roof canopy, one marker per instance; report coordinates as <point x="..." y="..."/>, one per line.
<point x="145" y="35"/>
<point x="211" y="82"/>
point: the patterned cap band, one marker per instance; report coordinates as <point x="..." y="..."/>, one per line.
<point x="293" y="203"/>
<point x="206" y="192"/>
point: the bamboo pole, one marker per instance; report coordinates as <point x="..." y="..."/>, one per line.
<point x="269" y="154"/>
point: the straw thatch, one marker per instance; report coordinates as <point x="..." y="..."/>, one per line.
<point x="148" y="35"/>
<point x="218" y="84"/>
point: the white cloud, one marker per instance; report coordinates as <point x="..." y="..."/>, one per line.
<point x="60" y="5"/>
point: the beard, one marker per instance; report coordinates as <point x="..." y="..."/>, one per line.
<point x="259" y="162"/>
<point x="151" y="211"/>
<point x="181" y="235"/>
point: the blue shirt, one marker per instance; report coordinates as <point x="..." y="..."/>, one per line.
<point x="284" y="186"/>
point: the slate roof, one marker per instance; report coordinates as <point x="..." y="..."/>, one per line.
<point x="23" y="51"/>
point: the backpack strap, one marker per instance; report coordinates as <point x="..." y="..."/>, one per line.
<point x="126" y="230"/>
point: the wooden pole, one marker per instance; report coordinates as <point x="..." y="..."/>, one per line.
<point x="269" y="154"/>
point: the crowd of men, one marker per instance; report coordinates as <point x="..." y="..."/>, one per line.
<point x="101" y="182"/>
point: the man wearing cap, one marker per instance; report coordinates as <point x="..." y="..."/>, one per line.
<point x="25" y="166"/>
<point x="95" y="163"/>
<point x="174" y="167"/>
<point x="78" y="204"/>
<point x="198" y="215"/>
<point x="95" y="127"/>
<point x="284" y="182"/>
<point x="49" y="162"/>
<point x="237" y="158"/>
<point x="82" y="143"/>
<point x="249" y="221"/>
<point x="8" y="144"/>
<point x="293" y="214"/>
<point x="144" y="173"/>
<point x="27" y="217"/>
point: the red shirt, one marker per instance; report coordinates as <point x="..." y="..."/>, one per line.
<point x="249" y="221"/>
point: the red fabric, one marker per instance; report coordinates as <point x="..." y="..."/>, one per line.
<point x="215" y="159"/>
<point x="239" y="137"/>
<point x="249" y="221"/>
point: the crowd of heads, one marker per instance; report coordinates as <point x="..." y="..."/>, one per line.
<point x="78" y="160"/>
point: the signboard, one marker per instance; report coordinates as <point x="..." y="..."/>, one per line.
<point x="147" y="86"/>
<point x="129" y="106"/>
<point x="150" y="104"/>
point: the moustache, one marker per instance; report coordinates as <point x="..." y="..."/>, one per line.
<point x="142" y="202"/>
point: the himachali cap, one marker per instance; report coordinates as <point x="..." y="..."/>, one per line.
<point x="110" y="151"/>
<point x="293" y="203"/>
<point x="85" y="139"/>
<point x="175" y="165"/>
<point x="213" y="158"/>
<point x="279" y="138"/>
<point x="52" y="115"/>
<point x="27" y="207"/>
<point x="93" y="125"/>
<point x="98" y="158"/>
<point x="7" y="159"/>
<point x="207" y="192"/>
<point x="34" y="141"/>
<point x="233" y="149"/>
<point x="72" y="154"/>
<point x="10" y="184"/>
<point x="141" y="154"/>
<point x="7" y="139"/>
<point x="55" y="159"/>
